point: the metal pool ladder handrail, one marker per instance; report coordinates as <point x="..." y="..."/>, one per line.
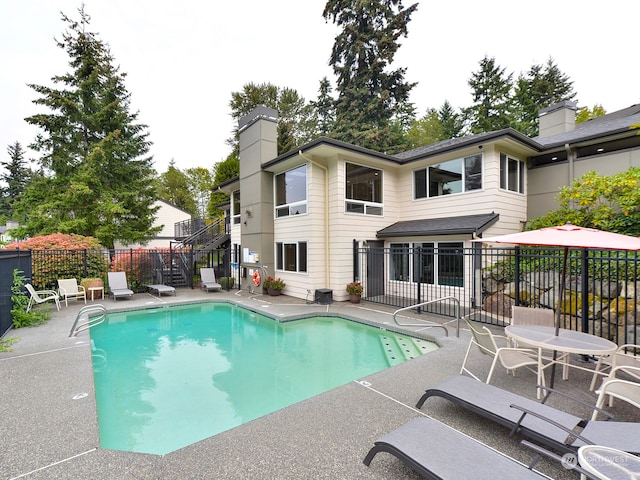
<point x="425" y="323"/>
<point x="88" y="317"/>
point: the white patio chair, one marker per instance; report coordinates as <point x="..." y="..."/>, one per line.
<point x="509" y="357"/>
<point x="69" y="288"/>
<point x="544" y="317"/>
<point x="614" y="387"/>
<point x="626" y="355"/>
<point x="41" y="296"/>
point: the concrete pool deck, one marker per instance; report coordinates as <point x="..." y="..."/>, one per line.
<point x="48" y="420"/>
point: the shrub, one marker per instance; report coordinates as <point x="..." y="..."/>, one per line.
<point x="227" y="282"/>
<point x="274" y="283"/>
<point x="63" y="256"/>
<point x="19" y="300"/>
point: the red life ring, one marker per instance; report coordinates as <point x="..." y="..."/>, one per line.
<point x="256" y="278"/>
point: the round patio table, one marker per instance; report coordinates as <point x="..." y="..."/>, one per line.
<point x="566" y="341"/>
<point x="608" y="463"/>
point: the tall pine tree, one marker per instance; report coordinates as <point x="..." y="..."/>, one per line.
<point x="16" y="177"/>
<point x="98" y="180"/>
<point x="541" y="87"/>
<point x="491" y="89"/>
<point x="370" y="96"/>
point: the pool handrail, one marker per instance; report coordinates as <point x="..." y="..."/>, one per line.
<point x="426" y="323"/>
<point x="91" y="315"/>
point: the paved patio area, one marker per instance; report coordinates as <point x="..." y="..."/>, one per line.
<point x="48" y="423"/>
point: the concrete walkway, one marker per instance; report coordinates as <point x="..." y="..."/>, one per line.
<point x="48" y="423"/>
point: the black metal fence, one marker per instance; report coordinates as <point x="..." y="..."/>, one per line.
<point x="601" y="295"/>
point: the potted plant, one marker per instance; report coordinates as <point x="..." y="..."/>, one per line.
<point x="354" y="289"/>
<point x="274" y="286"/>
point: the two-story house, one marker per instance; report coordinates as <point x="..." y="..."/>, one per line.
<point x="302" y="214"/>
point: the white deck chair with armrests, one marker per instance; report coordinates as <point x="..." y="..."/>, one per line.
<point x="615" y="387"/>
<point x="69" y="288"/>
<point x="41" y="296"/>
<point x="626" y="355"/>
<point x="511" y="358"/>
<point x="118" y="286"/>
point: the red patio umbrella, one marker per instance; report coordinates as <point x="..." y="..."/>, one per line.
<point x="567" y="236"/>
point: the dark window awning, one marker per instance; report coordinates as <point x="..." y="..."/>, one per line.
<point x="464" y="224"/>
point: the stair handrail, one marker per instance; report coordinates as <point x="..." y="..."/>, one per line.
<point x="426" y="323"/>
<point x="88" y="320"/>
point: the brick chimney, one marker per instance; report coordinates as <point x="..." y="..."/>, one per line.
<point x="557" y="118"/>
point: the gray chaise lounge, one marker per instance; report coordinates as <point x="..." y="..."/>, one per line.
<point x="437" y="451"/>
<point x="554" y="428"/>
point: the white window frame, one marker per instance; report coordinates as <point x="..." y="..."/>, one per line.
<point x="364" y="207"/>
<point x="463" y="179"/>
<point x="294" y="208"/>
<point x="280" y="255"/>
<point x="521" y="172"/>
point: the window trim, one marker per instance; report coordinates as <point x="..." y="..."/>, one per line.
<point x="291" y="207"/>
<point x="504" y="174"/>
<point x="301" y="257"/>
<point x="235" y="216"/>
<point x="463" y="179"/>
<point x="367" y="207"/>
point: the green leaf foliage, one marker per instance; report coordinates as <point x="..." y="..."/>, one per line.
<point x="19" y="301"/>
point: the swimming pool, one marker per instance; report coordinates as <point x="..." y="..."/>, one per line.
<point x="169" y="377"/>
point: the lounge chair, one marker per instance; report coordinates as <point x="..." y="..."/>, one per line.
<point x="437" y="451"/>
<point x="160" y="289"/>
<point x="41" y="296"/>
<point x="554" y="428"/>
<point x="208" y="280"/>
<point x="69" y="288"/>
<point x="118" y="286"/>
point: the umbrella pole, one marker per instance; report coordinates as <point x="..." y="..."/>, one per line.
<point x="563" y="273"/>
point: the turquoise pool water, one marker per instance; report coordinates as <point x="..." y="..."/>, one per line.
<point x="166" y="378"/>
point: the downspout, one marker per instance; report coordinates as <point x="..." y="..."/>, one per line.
<point x="326" y="215"/>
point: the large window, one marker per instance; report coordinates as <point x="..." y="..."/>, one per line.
<point x="291" y="192"/>
<point x="291" y="256"/>
<point x="363" y="190"/>
<point x="455" y="176"/>
<point x="235" y="206"/>
<point x="512" y="173"/>
<point x="440" y="263"/>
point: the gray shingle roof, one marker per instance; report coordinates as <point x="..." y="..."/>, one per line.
<point x="603" y="126"/>
<point x="464" y="224"/>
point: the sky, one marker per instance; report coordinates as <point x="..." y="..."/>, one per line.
<point x="184" y="59"/>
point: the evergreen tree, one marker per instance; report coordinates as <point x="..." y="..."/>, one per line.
<point x="289" y="104"/>
<point x="200" y="183"/>
<point x="452" y="122"/>
<point x="98" y="182"/>
<point x="370" y="97"/>
<point x="426" y="130"/>
<point x="491" y="91"/>
<point x="173" y="187"/>
<point x="17" y="176"/>
<point x="541" y="87"/>
<point x="323" y="114"/>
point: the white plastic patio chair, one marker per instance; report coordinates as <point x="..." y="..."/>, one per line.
<point x="510" y="358"/>
<point x="69" y="288"/>
<point x="41" y="296"/>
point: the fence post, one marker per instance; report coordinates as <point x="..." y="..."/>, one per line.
<point x="584" y="287"/>
<point x="516" y="275"/>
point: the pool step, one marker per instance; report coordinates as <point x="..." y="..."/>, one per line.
<point x="400" y="348"/>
